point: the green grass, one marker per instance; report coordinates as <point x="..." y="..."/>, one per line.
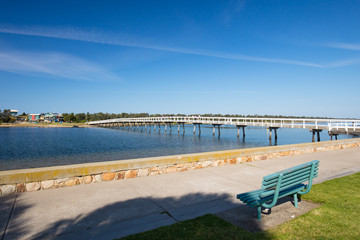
<point x="337" y="218"/>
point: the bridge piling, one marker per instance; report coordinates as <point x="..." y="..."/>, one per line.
<point x="317" y="131"/>
<point x="243" y="130"/>
<point x="275" y="131"/>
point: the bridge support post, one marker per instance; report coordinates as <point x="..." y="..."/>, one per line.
<point x="178" y="128"/>
<point x="331" y="136"/>
<point x="194" y="129"/>
<point x="165" y="127"/>
<point x="243" y="130"/>
<point x="170" y="127"/>
<point x="219" y="130"/>
<point x="317" y="131"/>
<point x="275" y="131"/>
<point x="213" y="130"/>
<point x="183" y="128"/>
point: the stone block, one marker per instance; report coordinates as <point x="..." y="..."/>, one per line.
<point x="71" y="182"/>
<point x="232" y="160"/>
<point x="47" y="184"/>
<point x="108" y="176"/>
<point x="120" y="175"/>
<point x="20" y="187"/>
<point x="285" y="153"/>
<point x="60" y="182"/>
<point x="171" y="169"/>
<point x="98" y="178"/>
<point x="143" y="172"/>
<point x="34" y="186"/>
<point x="131" y="173"/>
<point x="87" y="179"/>
<point x="7" y="189"/>
<point x="199" y="166"/>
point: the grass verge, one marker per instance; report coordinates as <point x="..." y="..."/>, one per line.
<point x="337" y="218"/>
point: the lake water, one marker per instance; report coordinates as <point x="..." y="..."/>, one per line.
<point x="40" y="147"/>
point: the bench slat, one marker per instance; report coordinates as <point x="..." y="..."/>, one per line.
<point x="300" y="178"/>
<point x="299" y="171"/>
<point x="289" y="170"/>
<point x="284" y="193"/>
<point x="290" y="185"/>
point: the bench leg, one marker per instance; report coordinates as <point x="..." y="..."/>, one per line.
<point x="296" y="200"/>
<point x="259" y="213"/>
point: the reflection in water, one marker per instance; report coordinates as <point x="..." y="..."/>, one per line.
<point x="39" y="147"/>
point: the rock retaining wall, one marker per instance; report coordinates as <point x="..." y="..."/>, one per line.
<point x="27" y="180"/>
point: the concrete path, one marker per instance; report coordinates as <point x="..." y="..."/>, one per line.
<point x="118" y="208"/>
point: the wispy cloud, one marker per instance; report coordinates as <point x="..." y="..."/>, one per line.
<point x="233" y="8"/>
<point x="122" y="40"/>
<point x="347" y="46"/>
<point x="54" y="64"/>
<point x="96" y="36"/>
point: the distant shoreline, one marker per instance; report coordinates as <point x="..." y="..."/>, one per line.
<point x="45" y="125"/>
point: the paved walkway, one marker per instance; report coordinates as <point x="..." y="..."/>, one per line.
<point x="118" y="208"/>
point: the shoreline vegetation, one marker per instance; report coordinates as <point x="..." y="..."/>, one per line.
<point x="45" y="125"/>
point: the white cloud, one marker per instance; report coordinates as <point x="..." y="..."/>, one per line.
<point x="100" y="37"/>
<point x="54" y="64"/>
<point x="126" y="40"/>
<point x="347" y="46"/>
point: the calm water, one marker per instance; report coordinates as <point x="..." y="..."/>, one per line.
<point x="40" y="147"/>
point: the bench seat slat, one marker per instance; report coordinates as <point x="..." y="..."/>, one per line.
<point x="284" y="193"/>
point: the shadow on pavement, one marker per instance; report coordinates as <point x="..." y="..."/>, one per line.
<point x="121" y="218"/>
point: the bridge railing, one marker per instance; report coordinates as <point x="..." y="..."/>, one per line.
<point x="265" y="122"/>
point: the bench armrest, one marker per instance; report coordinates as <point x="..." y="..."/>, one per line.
<point x="276" y="194"/>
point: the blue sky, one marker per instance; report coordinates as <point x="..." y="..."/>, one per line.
<point x="237" y="57"/>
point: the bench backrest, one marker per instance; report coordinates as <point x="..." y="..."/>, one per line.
<point x="290" y="178"/>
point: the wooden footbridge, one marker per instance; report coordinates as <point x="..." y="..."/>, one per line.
<point x="333" y="126"/>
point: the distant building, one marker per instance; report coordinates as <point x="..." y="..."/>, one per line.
<point x="45" y="117"/>
<point x="53" y="117"/>
<point x="13" y="112"/>
<point x="34" y="117"/>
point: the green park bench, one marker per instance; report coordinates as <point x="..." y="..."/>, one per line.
<point x="289" y="182"/>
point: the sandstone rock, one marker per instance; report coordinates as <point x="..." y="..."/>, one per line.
<point x="108" y="176"/>
<point x="61" y="181"/>
<point x="8" y="189"/>
<point x="199" y="166"/>
<point x="143" y="172"/>
<point x="206" y="163"/>
<point x="232" y="161"/>
<point x="131" y="174"/>
<point x="87" y="179"/>
<point x="71" y="182"/>
<point x="98" y="178"/>
<point x="20" y="187"/>
<point x="34" y="186"/>
<point x="120" y="175"/>
<point x="154" y="173"/>
<point x="47" y="184"/>
<point x="171" y="169"/>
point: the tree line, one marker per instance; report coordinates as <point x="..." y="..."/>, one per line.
<point x="6" y="117"/>
<point x="87" y="117"/>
